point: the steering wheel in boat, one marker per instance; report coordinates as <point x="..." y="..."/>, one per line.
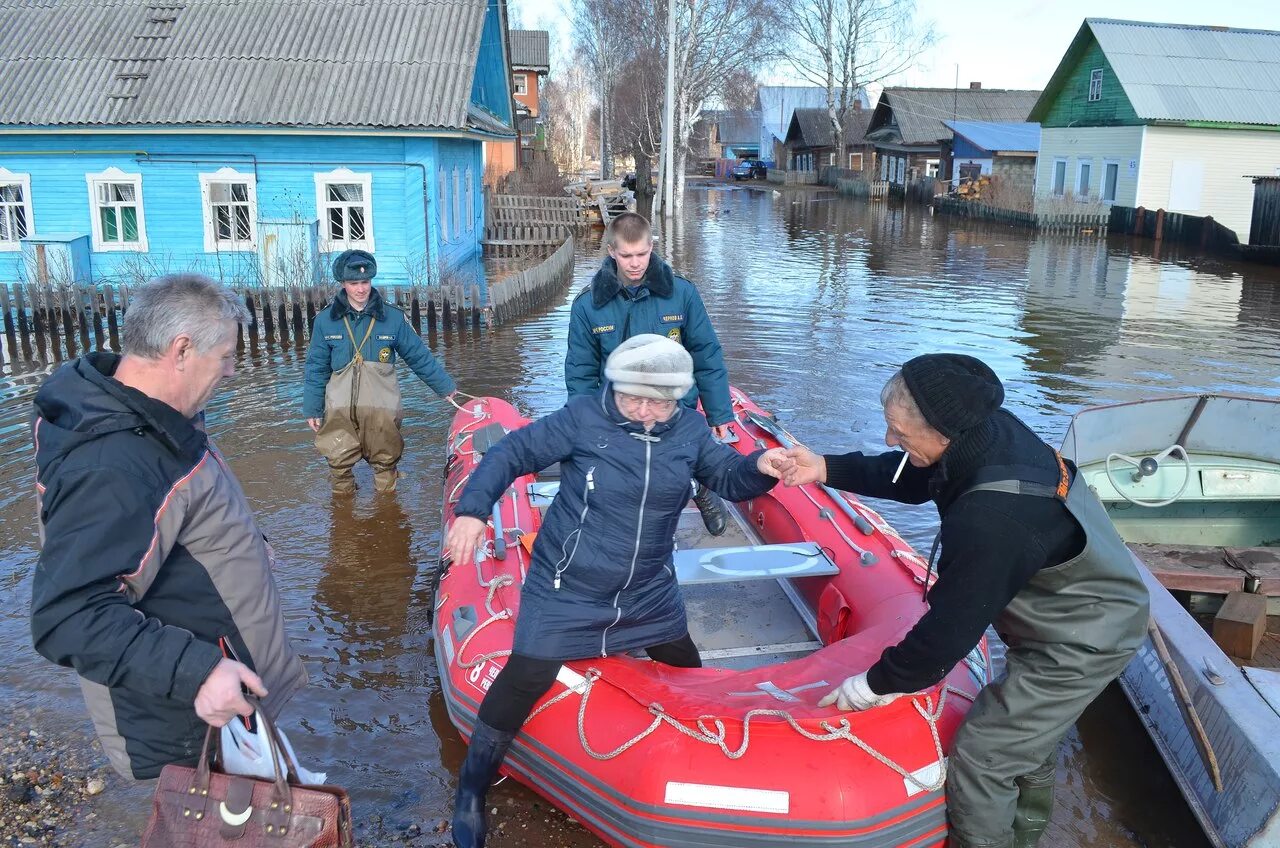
<point x="1145" y="468"/>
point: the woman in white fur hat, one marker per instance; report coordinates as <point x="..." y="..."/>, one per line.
<point x="601" y="580"/>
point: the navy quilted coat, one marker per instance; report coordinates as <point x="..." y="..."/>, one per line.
<point x="609" y="534"/>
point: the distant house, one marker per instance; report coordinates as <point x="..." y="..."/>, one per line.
<point x="1004" y="150"/>
<point x="908" y="129"/>
<point x="530" y="64"/>
<point x="160" y="142"/>
<point x="734" y="135"/>
<point x="776" y="103"/>
<point x="811" y="141"/>
<point x="1163" y="116"/>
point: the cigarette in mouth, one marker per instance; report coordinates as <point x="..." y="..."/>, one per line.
<point x="901" y="465"/>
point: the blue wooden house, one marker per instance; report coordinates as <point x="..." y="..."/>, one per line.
<point x="248" y="140"/>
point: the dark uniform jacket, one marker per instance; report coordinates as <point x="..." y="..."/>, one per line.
<point x="608" y="313"/>
<point x="150" y="557"/>
<point x="331" y="348"/>
<point x="609" y="532"/>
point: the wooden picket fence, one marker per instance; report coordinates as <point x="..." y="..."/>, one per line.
<point x="532" y="287"/>
<point x="51" y="322"/>
<point x="518" y="224"/>
<point x="1090" y="223"/>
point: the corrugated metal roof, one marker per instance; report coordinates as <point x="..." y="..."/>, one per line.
<point x="812" y="127"/>
<point x="1175" y="72"/>
<point x="531" y="49"/>
<point x="920" y="113"/>
<point x="738" y="127"/>
<point x="296" y="63"/>
<point x="1009" y="137"/>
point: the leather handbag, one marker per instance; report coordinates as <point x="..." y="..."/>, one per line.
<point x="201" y="808"/>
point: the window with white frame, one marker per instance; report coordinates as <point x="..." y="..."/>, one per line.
<point x="1082" y="178"/>
<point x="115" y="199"/>
<point x="471" y="204"/>
<point x="15" y="209"/>
<point x="521" y="83"/>
<point x="344" y="204"/>
<point x="230" y="201"/>
<point x="1059" y="177"/>
<point x="855" y="161"/>
<point x="1095" y="85"/>
<point x="1110" y="176"/>
<point x="443" y="205"/>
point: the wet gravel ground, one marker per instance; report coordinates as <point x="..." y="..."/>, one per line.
<point x="57" y="790"/>
<point x="47" y="785"/>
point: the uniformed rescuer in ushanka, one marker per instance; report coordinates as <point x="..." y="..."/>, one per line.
<point x="351" y="397"/>
<point x="636" y="292"/>
<point x="1026" y="546"/>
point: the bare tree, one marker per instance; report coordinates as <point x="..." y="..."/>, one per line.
<point x="842" y="45"/>
<point x="606" y="44"/>
<point x="568" y="102"/>
<point x="716" y="41"/>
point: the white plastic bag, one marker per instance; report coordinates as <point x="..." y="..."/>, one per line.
<point x="248" y="753"/>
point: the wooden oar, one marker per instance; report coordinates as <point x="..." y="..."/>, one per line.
<point x="1183" y="697"/>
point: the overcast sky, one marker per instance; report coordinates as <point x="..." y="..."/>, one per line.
<point x="1000" y="43"/>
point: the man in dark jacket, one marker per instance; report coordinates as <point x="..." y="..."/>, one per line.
<point x="351" y="395"/>
<point x="154" y="582"/>
<point x="1025" y="545"/>
<point x="635" y="292"/>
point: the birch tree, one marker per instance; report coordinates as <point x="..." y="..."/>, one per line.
<point x="842" y="45"/>
<point x="716" y="41"/>
<point x="568" y="102"/>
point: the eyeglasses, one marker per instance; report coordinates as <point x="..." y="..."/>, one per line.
<point x="633" y="403"/>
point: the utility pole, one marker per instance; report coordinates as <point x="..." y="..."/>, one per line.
<point x="668" y="123"/>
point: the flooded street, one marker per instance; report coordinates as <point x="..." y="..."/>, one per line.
<point x="817" y="299"/>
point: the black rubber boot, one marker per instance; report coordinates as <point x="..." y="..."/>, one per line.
<point x="712" y="508"/>
<point x="485" y="754"/>
<point x="1035" y="805"/>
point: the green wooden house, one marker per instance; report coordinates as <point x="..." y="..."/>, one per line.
<point x="1164" y="116"/>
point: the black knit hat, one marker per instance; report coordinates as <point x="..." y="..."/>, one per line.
<point x="955" y="392"/>
<point x="353" y="265"/>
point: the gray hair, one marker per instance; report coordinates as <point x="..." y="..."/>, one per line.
<point x="179" y="305"/>
<point x="896" y="393"/>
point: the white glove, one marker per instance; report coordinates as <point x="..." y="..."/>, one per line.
<point x="855" y="695"/>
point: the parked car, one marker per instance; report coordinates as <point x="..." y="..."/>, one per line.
<point x="759" y="170"/>
<point x="744" y="170"/>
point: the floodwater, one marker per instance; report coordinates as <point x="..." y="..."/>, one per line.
<point x="817" y="299"/>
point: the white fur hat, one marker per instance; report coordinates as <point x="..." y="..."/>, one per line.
<point x="650" y="366"/>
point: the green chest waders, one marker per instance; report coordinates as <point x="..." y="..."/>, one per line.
<point x="1071" y="630"/>
<point x="362" y="414"/>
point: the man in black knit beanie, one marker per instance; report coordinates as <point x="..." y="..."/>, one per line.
<point x="1023" y="545"/>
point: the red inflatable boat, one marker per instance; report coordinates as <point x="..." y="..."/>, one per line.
<point x="808" y="588"/>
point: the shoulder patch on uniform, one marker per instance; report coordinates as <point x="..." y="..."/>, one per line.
<point x="603" y="328"/>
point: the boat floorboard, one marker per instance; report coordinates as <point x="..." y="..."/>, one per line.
<point x="738" y="618"/>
